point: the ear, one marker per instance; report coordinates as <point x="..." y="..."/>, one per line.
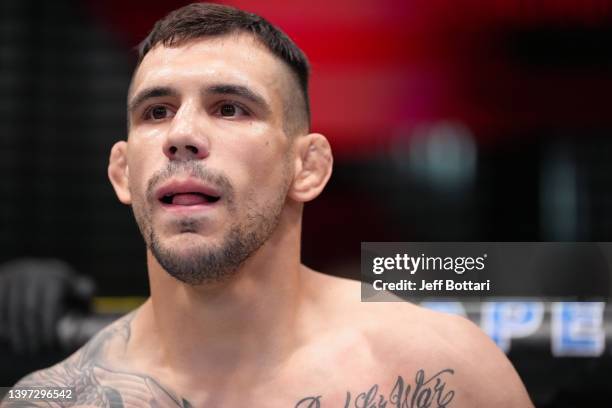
<point x="313" y="167"/>
<point x="118" y="172"/>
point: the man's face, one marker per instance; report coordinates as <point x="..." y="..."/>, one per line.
<point x="209" y="163"/>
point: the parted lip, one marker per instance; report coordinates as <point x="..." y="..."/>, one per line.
<point x="189" y="185"/>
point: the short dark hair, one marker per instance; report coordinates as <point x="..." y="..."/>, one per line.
<point x="199" y="20"/>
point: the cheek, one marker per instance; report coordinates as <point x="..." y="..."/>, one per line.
<point x="140" y="169"/>
<point x="265" y="174"/>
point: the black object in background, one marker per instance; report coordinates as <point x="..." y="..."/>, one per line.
<point x="34" y="295"/>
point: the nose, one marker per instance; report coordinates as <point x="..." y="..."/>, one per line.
<point x="186" y="138"/>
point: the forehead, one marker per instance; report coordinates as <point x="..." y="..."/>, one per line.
<point x="237" y="58"/>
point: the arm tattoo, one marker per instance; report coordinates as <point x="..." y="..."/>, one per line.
<point x="423" y="393"/>
<point x="96" y="384"/>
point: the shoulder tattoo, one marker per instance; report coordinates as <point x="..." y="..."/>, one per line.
<point x="96" y="383"/>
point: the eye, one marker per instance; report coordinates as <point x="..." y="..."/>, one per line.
<point x="157" y="112"/>
<point x="228" y="110"/>
<point x="232" y="110"/>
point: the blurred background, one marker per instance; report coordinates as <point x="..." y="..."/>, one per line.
<point x="450" y="121"/>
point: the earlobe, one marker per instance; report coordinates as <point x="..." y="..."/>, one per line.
<point x="313" y="167"/>
<point x="118" y="172"/>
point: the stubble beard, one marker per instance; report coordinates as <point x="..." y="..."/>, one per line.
<point x="208" y="263"/>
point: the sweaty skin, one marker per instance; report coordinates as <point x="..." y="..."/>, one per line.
<point x="269" y="332"/>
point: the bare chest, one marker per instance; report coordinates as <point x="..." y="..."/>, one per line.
<point x="389" y="392"/>
<point x="334" y="389"/>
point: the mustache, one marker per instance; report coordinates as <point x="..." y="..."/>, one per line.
<point x="195" y="169"/>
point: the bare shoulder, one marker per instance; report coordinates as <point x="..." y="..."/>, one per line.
<point x="478" y="370"/>
<point x="95" y="377"/>
<point x="483" y="371"/>
<point x="421" y="345"/>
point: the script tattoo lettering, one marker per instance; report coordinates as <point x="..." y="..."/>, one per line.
<point x="423" y="393"/>
<point x="309" y="402"/>
<point x="96" y="382"/>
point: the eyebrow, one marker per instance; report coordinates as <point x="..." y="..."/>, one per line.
<point x="217" y="89"/>
<point x="240" y="91"/>
<point x="149" y="93"/>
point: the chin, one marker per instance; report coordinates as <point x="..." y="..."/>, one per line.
<point x="187" y="242"/>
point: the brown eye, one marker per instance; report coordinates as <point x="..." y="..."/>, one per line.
<point x="228" y="110"/>
<point x="159" y="112"/>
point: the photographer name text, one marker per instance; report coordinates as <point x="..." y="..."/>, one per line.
<point x="435" y="285"/>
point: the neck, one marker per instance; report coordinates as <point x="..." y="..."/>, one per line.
<point x="237" y="327"/>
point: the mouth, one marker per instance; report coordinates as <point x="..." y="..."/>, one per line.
<point x="188" y="198"/>
<point x="188" y="193"/>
